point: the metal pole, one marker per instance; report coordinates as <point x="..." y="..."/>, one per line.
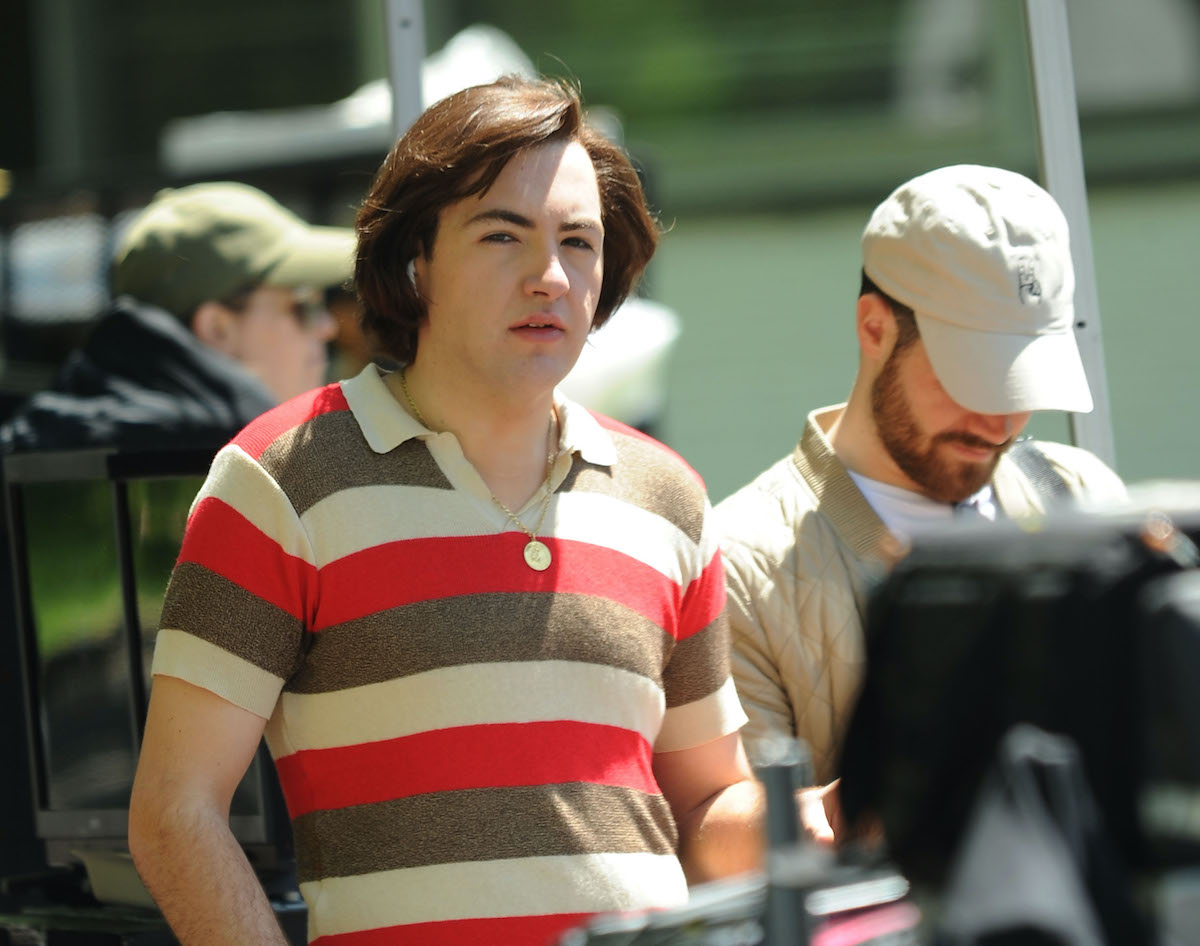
<point x="405" y="28"/>
<point x="1060" y="155"/>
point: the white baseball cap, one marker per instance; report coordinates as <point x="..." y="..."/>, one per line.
<point x="983" y="258"/>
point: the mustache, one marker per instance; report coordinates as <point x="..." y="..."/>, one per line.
<point x="970" y="440"/>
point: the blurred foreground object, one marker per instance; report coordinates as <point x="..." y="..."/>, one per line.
<point x="1086" y="626"/>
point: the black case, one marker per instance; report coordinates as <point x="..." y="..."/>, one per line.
<point x="981" y="628"/>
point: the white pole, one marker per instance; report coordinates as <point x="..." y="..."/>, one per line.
<point x="405" y="26"/>
<point x="1061" y="157"/>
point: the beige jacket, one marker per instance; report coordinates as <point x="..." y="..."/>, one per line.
<point x="802" y="546"/>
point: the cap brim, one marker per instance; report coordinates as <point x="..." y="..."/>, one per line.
<point x="319" y="257"/>
<point x="992" y="373"/>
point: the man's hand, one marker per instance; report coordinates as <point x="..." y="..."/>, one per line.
<point x="820" y="812"/>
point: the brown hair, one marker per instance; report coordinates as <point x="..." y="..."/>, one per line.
<point x="457" y="149"/>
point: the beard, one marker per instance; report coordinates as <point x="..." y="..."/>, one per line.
<point x="918" y="454"/>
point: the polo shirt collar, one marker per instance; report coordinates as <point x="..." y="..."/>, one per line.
<point x="385" y="424"/>
<point x="581" y="433"/>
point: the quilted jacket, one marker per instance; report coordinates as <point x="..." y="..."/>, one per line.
<point x="802" y="546"/>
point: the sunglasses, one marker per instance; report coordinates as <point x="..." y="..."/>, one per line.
<point x="308" y="305"/>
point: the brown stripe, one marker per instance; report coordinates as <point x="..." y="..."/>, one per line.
<point x="217" y="610"/>
<point x="481" y="824"/>
<point x="699" y="664"/>
<point x="481" y="629"/>
<point x="328" y="454"/>
<point x="643" y="476"/>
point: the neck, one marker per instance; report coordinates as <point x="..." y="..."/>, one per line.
<point x="505" y="439"/>
<point x="855" y="440"/>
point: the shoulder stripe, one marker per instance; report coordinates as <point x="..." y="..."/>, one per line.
<point x="239" y="481"/>
<point x="221" y="540"/>
<point x="703" y="599"/>
<point x="261" y="432"/>
<point x="624" y="430"/>
<point x="487" y="756"/>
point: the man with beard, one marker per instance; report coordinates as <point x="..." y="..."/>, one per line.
<point x="965" y="326"/>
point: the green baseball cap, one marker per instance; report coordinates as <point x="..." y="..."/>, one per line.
<point x="207" y="241"/>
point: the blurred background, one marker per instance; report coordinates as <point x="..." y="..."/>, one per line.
<point x="766" y="131"/>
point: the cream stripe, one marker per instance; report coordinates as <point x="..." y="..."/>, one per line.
<point x="237" y="479"/>
<point x="632" y="530"/>
<point x="190" y="658"/>
<point x="695" y="723"/>
<point x="355" y="519"/>
<point x="470" y="695"/>
<point x="518" y="887"/>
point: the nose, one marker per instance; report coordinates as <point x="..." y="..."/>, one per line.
<point x="548" y="278"/>
<point x="323" y="325"/>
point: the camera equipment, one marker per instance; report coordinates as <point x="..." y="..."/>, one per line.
<point x="1088" y="628"/>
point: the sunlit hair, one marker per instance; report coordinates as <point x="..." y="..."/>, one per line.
<point x="906" y="321"/>
<point x="457" y="149"/>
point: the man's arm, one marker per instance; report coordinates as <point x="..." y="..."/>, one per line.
<point x="718" y="807"/>
<point x="197" y="747"/>
<point x="758" y="609"/>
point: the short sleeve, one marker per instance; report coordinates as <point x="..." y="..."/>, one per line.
<point x="242" y="590"/>
<point x="701" y="702"/>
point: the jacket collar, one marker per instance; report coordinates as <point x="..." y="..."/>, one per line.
<point x="841" y="501"/>
<point x="838" y="497"/>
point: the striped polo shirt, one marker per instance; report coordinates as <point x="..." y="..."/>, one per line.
<point x="464" y="743"/>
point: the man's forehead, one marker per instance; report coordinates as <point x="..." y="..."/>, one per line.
<point x="558" y="172"/>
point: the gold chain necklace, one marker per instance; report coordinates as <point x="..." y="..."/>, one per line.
<point x="537" y="555"/>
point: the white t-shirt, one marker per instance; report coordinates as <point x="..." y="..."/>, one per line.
<point x="906" y="513"/>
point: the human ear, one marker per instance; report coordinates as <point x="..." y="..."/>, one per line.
<point x="415" y="270"/>
<point x="875" y="325"/>
<point x="216" y="326"/>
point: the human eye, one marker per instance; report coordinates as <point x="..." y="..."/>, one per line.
<point x="499" y="236"/>
<point x="580" y="242"/>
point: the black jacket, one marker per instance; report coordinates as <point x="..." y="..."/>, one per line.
<point x="142" y="381"/>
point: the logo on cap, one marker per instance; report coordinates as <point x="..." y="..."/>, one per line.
<point x="1029" y="290"/>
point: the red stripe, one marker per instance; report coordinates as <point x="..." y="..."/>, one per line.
<point x="225" y="542"/>
<point x="704" y="599"/>
<point x="265" y="429"/>
<point x="496" y="931"/>
<point x="400" y="573"/>
<point x="624" y="429"/>
<point x="492" y="755"/>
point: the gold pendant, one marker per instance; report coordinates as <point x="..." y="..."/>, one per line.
<point x="537" y="556"/>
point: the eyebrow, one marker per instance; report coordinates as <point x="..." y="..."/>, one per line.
<point x="520" y="220"/>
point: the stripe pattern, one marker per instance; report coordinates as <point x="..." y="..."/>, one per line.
<point x="465" y="745"/>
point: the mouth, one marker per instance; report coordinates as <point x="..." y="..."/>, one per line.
<point x="974" y="454"/>
<point x="543" y="324"/>
<point x="975" y="449"/>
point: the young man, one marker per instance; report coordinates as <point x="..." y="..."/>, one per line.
<point x="964" y="326"/>
<point x="482" y="629"/>
<point x="218" y="317"/>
